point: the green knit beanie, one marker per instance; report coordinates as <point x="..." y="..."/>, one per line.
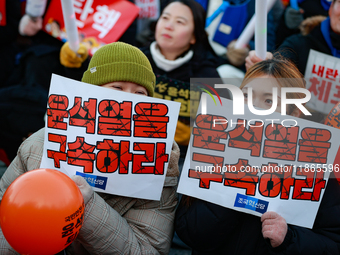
<point x="120" y="61"/>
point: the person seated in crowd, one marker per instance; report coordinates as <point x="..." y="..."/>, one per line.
<point x="212" y="229"/>
<point x="122" y="225"/>
<point x="181" y="51"/>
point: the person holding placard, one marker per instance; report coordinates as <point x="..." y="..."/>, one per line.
<point x="212" y="229"/>
<point x="182" y="51"/>
<point x="112" y="224"/>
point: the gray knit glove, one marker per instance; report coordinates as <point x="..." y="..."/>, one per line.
<point x="293" y="18"/>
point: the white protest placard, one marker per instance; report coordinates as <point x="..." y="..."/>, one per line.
<point x="119" y="142"/>
<point x="322" y="80"/>
<point x="254" y="163"/>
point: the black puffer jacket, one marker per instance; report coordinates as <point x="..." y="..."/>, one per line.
<point x="211" y="229"/>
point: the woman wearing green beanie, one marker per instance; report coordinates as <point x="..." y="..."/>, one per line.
<point x="112" y="224"/>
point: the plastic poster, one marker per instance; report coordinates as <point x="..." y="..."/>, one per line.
<point x="254" y="164"/>
<point x="99" y="22"/>
<point x="3" y="13"/>
<point x="119" y="142"/>
<point x="323" y="81"/>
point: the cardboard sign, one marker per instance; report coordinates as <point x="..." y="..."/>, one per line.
<point x="254" y="163"/>
<point x="119" y="142"/>
<point x="3" y="13"/>
<point x="323" y="81"/>
<point x="99" y="22"/>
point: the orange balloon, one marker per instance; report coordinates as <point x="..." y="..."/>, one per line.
<point x="41" y="212"/>
<point x="333" y="118"/>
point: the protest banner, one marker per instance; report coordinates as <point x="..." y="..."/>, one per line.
<point x="119" y="142"/>
<point x="253" y="163"/>
<point x="99" y="22"/>
<point x="323" y="81"/>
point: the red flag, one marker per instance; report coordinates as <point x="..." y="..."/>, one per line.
<point x="99" y="22"/>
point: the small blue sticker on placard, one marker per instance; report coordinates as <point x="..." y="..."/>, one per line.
<point x="251" y="203"/>
<point x="94" y="180"/>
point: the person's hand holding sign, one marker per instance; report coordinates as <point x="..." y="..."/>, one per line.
<point x="274" y="227"/>
<point x="84" y="187"/>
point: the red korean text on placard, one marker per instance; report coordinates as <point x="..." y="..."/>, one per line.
<point x="108" y="156"/>
<point x="140" y="162"/>
<point x="242" y="176"/>
<point x="247" y="138"/>
<point x="313" y="179"/>
<point x="57" y="155"/>
<point x="83" y="116"/>
<point x="150" y="120"/>
<point x="314" y="145"/>
<point x="115" y="118"/>
<point x="331" y="74"/>
<point x="112" y="156"/>
<point x="276" y="180"/>
<point x="205" y="177"/>
<point x="280" y="142"/>
<point x="81" y="153"/>
<point x="207" y="134"/>
<point x="318" y="70"/>
<point x="320" y="88"/>
<point x="57" y="111"/>
<point x="336" y="95"/>
<point x="147" y="158"/>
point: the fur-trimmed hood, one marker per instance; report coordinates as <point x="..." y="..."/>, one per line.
<point x="310" y="23"/>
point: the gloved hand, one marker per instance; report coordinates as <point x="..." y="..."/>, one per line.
<point x="182" y="134"/>
<point x="293" y="18"/>
<point x="236" y="57"/>
<point x="84" y="187"/>
<point x="71" y="59"/>
<point x="30" y="26"/>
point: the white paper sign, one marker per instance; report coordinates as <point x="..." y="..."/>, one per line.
<point x="119" y="142"/>
<point x="255" y="163"/>
<point x="322" y="80"/>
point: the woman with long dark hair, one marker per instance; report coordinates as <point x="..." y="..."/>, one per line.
<point x="181" y="51"/>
